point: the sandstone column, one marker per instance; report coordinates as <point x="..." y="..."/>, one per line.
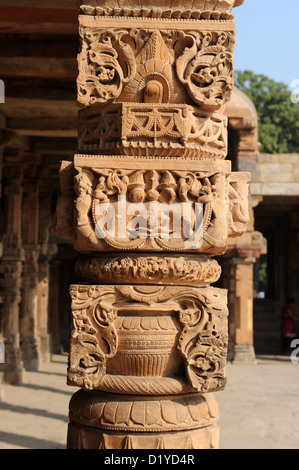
<point x="1" y="246"/>
<point x="148" y="201"/>
<point x="242" y="253"/>
<point x="43" y="307"/>
<point x="47" y="252"/>
<point x="30" y="344"/>
<point x="11" y="273"/>
<point x="243" y="306"/>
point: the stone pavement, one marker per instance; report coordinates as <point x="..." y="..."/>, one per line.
<point x="258" y="410"/>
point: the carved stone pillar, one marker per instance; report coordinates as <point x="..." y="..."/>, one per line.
<point x="11" y="275"/>
<point x="47" y="252"/>
<point x="147" y="202"/>
<point x="30" y="343"/>
<point x="244" y="309"/>
<point x="241" y="255"/>
<point x="246" y="251"/>
<point x="43" y="307"/>
<point x="1" y="246"/>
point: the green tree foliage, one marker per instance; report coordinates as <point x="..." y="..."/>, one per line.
<point x="278" y="115"/>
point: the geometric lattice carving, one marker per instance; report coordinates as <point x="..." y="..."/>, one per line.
<point x="156" y="130"/>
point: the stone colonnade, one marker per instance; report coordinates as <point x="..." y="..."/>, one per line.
<point x="24" y="262"/>
<point x="243" y="251"/>
<point x="149" y="334"/>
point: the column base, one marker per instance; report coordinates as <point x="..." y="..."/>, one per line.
<point x="104" y="421"/>
<point x="244" y="355"/>
<point x="45" y="348"/>
<point x="31" y="355"/>
<point x="13" y="368"/>
<point x="15" y="377"/>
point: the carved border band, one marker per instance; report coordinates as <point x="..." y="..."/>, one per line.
<point x="144" y="414"/>
<point x="175" y="270"/>
<point x="156" y="130"/>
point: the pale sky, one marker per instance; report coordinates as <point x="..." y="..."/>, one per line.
<point x="268" y="38"/>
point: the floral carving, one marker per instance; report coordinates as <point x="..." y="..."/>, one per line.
<point x="239" y="203"/>
<point x="93" y="337"/>
<point x="204" y="342"/>
<point x="104" y="67"/>
<point x="123" y="413"/>
<point x="206" y="361"/>
<point x="155" y="66"/>
<point x="206" y="67"/>
<point x="152" y="270"/>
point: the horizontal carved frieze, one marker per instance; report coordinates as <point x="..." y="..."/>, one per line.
<point x="175" y="270"/>
<point x="197" y="9"/>
<point x="139" y="415"/>
<point x="118" y="203"/>
<point x="149" y="64"/>
<point x="156" y="130"/>
<point x="121" y="205"/>
<point x="82" y="437"/>
<point x="148" y="339"/>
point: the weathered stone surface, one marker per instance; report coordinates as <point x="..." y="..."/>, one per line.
<point x="176" y="9"/>
<point x="152" y="130"/>
<point x="148" y="339"/>
<point x="133" y="196"/>
<point x="146" y="324"/>
<point x="99" y="421"/>
<point x="276" y="175"/>
<point x="140" y="64"/>
<point x="164" y="270"/>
